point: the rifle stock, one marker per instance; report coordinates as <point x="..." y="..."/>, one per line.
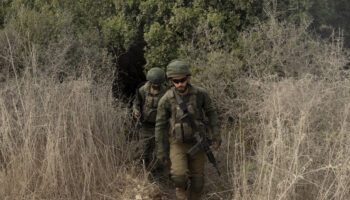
<point x="202" y="142"/>
<point x="194" y="149"/>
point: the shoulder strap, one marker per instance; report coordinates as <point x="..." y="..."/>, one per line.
<point x="181" y="103"/>
<point x="187" y="116"/>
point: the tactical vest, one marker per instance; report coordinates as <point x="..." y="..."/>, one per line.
<point x="181" y="130"/>
<point x="150" y="105"/>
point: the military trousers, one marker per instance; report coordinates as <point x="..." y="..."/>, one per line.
<point x="147" y="146"/>
<point x="185" y="168"/>
<point x="183" y="164"/>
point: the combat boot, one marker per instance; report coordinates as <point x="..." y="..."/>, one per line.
<point x="195" y="196"/>
<point x="180" y="194"/>
<point x="196" y="187"/>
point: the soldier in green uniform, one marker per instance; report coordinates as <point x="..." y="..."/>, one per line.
<point x="178" y="134"/>
<point x="145" y="110"/>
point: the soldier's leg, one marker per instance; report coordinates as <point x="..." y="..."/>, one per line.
<point x="196" y="167"/>
<point x="157" y="168"/>
<point x="147" y="138"/>
<point x="179" y="168"/>
<point x="154" y="166"/>
<point x="149" y="147"/>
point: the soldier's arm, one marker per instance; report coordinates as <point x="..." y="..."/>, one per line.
<point x="212" y="115"/>
<point x="141" y="95"/>
<point x="161" y="129"/>
<point x="138" y="101"/>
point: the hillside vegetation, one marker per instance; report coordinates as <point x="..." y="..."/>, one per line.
<point x="282" y="94"/>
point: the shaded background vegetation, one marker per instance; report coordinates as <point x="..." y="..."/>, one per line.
<point x="138" y="35"/>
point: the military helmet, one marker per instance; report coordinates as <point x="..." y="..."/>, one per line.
<point x="156" y="75"/>
<point x="177" y="68"/>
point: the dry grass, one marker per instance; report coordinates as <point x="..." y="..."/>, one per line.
<point x="61" y="141"/>
<point x="283" y="100"/>
<point x="301" y="141"/>
<point x="67" y="140"/>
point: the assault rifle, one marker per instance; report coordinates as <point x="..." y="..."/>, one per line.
<point x="202" y="141"/>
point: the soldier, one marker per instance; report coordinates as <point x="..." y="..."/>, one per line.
<point x="145" y="110"/>
<point x="172" y="130"/>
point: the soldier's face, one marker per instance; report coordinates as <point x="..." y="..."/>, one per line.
<point x="180" y="83"/>
<point x="155" y="86"/>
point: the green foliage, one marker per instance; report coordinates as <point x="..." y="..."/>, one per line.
<point x="183" y="21"/>
<point x="4" y="4"/>
<point x="87" y="14"/>
<point x="119" y="32"/>
<point x="295" y="11"/>
<point x="168" y="24"/>
<point x="2" y="15"/>
<point x="161" y="28"/>
<point x="122" y="29"/>
<point x="39" y="27"/>
<point x="65" y="35"/>
<point x="42" y="21"/>
<point x="325" y="15"/>
<point x="155" y="11"/>
<point x="161" y="46"/>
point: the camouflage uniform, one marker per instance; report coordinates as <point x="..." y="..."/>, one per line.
<point x="149" y="103"/>
<point x="170" y="130"/>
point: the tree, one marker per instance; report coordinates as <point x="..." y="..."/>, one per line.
<point x="168" y="24"/>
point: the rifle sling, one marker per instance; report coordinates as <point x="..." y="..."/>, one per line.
<point x="183" y="107"/>
<point x="206" y="149"/>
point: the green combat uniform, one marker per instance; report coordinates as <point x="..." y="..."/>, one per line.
<point x="148" y="103"/>
<point x="170" y="129"/>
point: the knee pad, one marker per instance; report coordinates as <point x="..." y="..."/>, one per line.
<point x="179" y="181"/>
<point x="197" y="184"/>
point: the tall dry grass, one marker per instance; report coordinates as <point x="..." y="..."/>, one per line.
<point x="301" y="135"/>
<point x="68" y="140"/>
<point x="283" y="100"/>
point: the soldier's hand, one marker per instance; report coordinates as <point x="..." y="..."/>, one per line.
<point x="137" y="114"/>
<point x="164" y="160"/>
<point x="215" y="146"/>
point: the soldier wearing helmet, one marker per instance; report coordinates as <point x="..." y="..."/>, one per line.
<point x="145" y="109"/>
<point x="178" y="134"/>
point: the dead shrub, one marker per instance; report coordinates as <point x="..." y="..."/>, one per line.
<point x="61" y="140"/>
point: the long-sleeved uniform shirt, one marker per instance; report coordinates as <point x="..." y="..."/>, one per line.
<point x="168" y="123"/>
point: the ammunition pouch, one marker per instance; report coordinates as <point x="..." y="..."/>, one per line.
<point x="183" y="132"/>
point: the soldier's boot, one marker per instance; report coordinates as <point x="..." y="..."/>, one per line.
<point x="197" y="184"/>
<point x="180" y="194"/>
<point x="195" y="196"/>
<point x="180" y="186"/>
